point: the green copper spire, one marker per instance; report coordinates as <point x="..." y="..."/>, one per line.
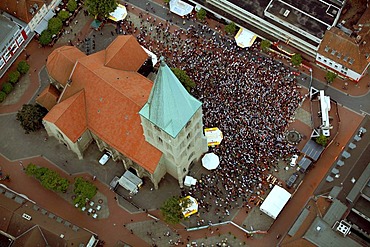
<point x="170" y="106"/>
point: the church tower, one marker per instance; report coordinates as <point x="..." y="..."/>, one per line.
<point x="172" y="122"/>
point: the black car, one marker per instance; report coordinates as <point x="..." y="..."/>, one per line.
<point x="291" y="180"/>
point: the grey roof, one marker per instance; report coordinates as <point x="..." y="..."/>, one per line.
<point x="170" y="107"/>
<point x="304" y="163"/>
<point x="297" y="224"/>
<point x="8" y="29"/>
<point x="335" y="212"/>
<point x="321" y="234"/>
<point x="335" y="191"/>
<point x="312" y="150"/>
<point x="359" y="185"/>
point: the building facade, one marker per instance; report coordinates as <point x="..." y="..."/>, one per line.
<point x="302" y="24"/>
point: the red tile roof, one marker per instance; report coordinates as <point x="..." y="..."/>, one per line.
<point x="61" y="61"/>
<point x="113" y="99"/>
<point x="70" y="116"/>
<point x="20" y="8"/>
<point x="349" y="48"/>
<point x="124" y="54"/>
<point x="48" y="97"/>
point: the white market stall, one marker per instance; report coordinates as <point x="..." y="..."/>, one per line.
<point x="180" y="8"/>
<point x="245" y="38"/>
<point x="214" y="136"/>
<point x="119" y="13"/>
<point x="189" y="181"/>
<point x="275" y="202"/>
<point x="210" y="161"/>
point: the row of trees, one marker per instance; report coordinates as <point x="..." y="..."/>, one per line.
<point x="13" y="78"/>
<point x="55" y="24"/>
<point x="51" y="180"/>
<point x="48" y="178"/>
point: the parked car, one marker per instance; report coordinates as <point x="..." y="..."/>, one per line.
<point x="293" y="160"/>
<point x="104" y="159"/>
<point x="291" y="180"/>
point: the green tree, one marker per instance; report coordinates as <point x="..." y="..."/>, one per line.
<point x="100" y="8"/>
<point x="30" y="117"/>
<point x="172" y="210"/>
<point x="31" y="170"/>
<point x="330" y="76"/>
<point x="23" y="67"/>
<point x="7" y="87"/>
<point x="296" y="59"/>
<point x="72" y="5"/>
<point x="14" y="76"/>
<point x="2" y="96"/>
<point x="230" y="28"/>
<point x="265" y="45"/>
<point x="63" y="15"/>
<point x="322" y="140"/>
<point x="183" y="78"/>
<point x="201" y="15"/>
<point x="84" y="188"/>
<point x="45" y="37"/>
<point x="55" y="25"/>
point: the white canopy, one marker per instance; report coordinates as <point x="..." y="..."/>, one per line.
<point x="180" y="8"/>
<point x="189" y="181"/>
<point x="245" y="38"/>
<point x="43" y="24"/>
<point x="275" y="202"/>
<point x="119" y="13"/>
<point x="210" y="161"/>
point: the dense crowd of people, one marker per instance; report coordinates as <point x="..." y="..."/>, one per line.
<point x="250" y="97"/>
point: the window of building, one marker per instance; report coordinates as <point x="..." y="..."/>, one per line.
<point x="157" y="128"/>
<point x="325" y="60"/>
<point x="188" y="136"/>
<point x="188" y="124"/>
<point x="160" y="140"/>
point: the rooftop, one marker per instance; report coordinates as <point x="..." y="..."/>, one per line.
<point x="44" y="228"/>
<point x="22" y="9"/>
<point x="8" y="29"/>
<point x="321" y="234"/>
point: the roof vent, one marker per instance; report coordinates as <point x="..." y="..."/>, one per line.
<point x="351" y="61"/>
<point x="344" y="228"/>
<point x="286" y="13"/>
<point x="32" y="12"/>
<point x="327" y="48"/>
<point x="35" y="6"/>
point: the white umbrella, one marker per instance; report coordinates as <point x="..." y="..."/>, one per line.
<point x="245" y="38"/>
<point x="210" y="161"/>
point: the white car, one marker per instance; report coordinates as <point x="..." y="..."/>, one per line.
<point x="293" y="161"/>
<point x="104" y="159"/>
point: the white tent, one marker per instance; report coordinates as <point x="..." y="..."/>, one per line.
<point x="180" y="8"/>
<point x="210" y="161"/>
<point x="119" y="13"/>
<point x="189" y="181"/>
<point x="275" y="202"/>
<point x="245" y="38"/>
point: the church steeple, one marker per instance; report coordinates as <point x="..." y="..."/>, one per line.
<point x="170" y="106"/>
